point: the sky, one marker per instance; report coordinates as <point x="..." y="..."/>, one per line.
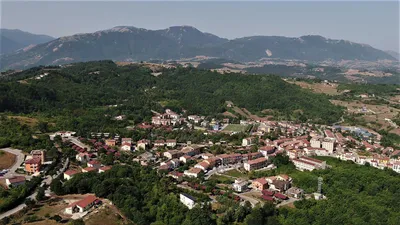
<point x="373" y="23"/>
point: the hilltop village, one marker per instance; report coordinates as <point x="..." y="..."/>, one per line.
<point x="231" y="166"/>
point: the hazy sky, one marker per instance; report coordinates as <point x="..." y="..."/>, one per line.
<point x="374" y="23"/>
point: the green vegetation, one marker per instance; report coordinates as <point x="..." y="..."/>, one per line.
<point x="377" y="89"/>
<point x="14" y="196"/>
<point x="78" y="97"/>
<point x="236" y="128"/>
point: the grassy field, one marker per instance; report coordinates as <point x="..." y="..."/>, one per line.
<point x="318" y="87"/>
<point x="222" y="179"/>
<point x="105" y="216"/>
<point x="236" y="173"/>
<point x="25" y="120"/>
<point x="236" y="128"/>
<point x="6" y="160"/>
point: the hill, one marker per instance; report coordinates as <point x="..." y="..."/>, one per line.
<point x="12" y="40"/>
<point x="73" y="90"/>
<point x="125" y="43"/>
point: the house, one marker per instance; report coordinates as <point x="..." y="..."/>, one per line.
<point x="176" y="175"/>
<point x="280" y="185"/>
<point x="82" y="157"/>
<point x="82" y="205"/>
<point x="69" y="174"/>
<point x="190" y="151"/>
<point x="306" y="163"/>
<point x="111" y="142"/>
<point x="94" y="163"/>
<point x="255" y="164"/>
<point x="33" y="165"/>
<point x="240" y="185"/>
<point x="171" y="143"/>
<point x="104" y="169"/>
<point x="185" y="158"/>
<point x="159" y="143"/>
<point x="143" y="144"/>
<point x="247" y="141"/>
<point x="203" y="166"/>
<point x="126" y="147"/>
<point x="146" y="157"/>
<point x="230" y="158"/>
<point x="266" y="150"/>
<point x="260" y="184"/>
<point x="89" y="169"/>
<point x="15" y="181"/>
<point x="193" y="172"/>
<point x="396" y="167"/>
<point x="39" y="154"/>
<point x="188" y="200"/>
<point x="172" y="154"/>
<point x="126" y="141"/>
<point x="280" y="196"/>
<point x="295" y="192"/>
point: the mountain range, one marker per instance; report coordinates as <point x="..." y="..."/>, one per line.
<point x="12" y="40"/>
<point x="126" y="43"/>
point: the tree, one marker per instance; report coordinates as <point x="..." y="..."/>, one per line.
<point x="56" y="186"/>
<point x="40" y="194"/>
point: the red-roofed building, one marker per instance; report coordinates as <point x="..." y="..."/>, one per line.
<point x="82" y="205"/>
<point x="280" y="196"/>
<point x="94" y="163"/>
<point x="69" y="174"/>
<point x="33" y="165"/>
<point x="15" y="181"/>
<point x="89" y="169"/>
<point x="267" y="198"/>
<point x="104" y="169"/>
<point x="255" y="164"/>
<point x="260" y="184"/>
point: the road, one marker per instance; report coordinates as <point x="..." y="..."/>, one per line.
<point x="19" y="160"/>
<point x="252" y="200"/>
<point x="46" y="181"/>
<point x="286" y="202"/>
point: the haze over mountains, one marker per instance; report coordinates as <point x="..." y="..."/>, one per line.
<point x="125" y="43"/>
<point x="12" y="40"/>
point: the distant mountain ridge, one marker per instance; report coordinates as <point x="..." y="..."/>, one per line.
<point x="14" y="39"/>
<point x="127" y="43"/>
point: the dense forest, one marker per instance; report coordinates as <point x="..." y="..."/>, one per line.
<point x="88" y="88"/>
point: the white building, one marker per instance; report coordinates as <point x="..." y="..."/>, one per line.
<point x="315" y="143"/>
<point x="187" y="200"/>
<point x="328" y="145"/>
<point x="126" y="147"/>
<point x="396" y="167"/>
<point x="193" y="172"/>
<point x="310" y="164"/>
<point x="240" y="185"/>
<point x="246" y="141"/>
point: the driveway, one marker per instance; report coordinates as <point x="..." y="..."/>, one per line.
<point x="19" y="160"/>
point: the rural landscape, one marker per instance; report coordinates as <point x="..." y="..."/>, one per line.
<point x="171" y="126"/>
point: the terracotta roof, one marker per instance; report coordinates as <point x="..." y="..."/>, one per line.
<point x="89" y="169"/>
<point x="71" y="172"/>
<point x="86" y="201"/>
<point x="262" y="181"/>
<point x="33" y="161"/>
<point x="259" y="160"/>
<point x="105" y="168"/>
<point x="17" y="179"/>
<point x="195" y="170"/>
<point x="93" y="162"/>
